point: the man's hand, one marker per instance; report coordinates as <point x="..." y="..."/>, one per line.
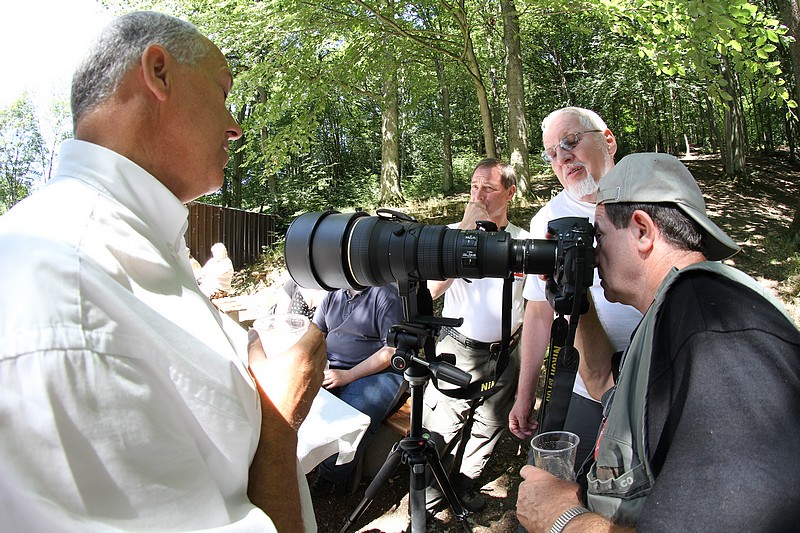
<point x="474" y="212"/>
<point x="336" y="377"/>
<point x="521" y="419"/>
<point x="289" y="381"/>
<point x="542" y="498"/>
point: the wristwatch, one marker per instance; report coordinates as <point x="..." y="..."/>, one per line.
<point x="561" y="522"/>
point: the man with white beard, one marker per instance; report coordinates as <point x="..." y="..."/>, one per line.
<point x="580" y="148"/>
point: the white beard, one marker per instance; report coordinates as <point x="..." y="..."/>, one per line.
<point x="585" y="187"/>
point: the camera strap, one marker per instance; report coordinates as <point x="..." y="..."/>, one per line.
<point x="560" y="371"/>
<point x="562" y="364"/>
<point x="486" y="387"/>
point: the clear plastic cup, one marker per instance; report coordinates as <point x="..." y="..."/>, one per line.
<point x="554" y="451"/>
<point x="280" y="332"/>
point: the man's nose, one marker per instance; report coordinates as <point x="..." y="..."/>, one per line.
<point x="234" y="130"/>
<point x="563" y="156"/>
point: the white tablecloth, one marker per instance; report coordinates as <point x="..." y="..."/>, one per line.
<point x="332" y="426"/>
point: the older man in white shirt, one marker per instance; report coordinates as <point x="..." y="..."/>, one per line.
<point x="129" y="402"/>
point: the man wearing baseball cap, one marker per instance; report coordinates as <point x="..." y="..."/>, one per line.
<point x="703" y="425"/>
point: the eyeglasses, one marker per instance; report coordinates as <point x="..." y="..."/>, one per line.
<point x="568" y="143"/>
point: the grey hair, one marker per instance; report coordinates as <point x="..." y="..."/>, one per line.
<point x="119" y="47"/>
<point x="588" y="118"/>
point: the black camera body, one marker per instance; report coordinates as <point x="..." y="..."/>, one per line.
<point x="331" y="250"/>
<point x="573" y="270"/>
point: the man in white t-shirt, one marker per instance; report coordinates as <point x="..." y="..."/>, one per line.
<point x="217" y="273"/>
<point x="467" y="430"/>
<point x="580" y="148"/>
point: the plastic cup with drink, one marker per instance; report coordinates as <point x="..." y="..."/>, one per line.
<point x="554" y="451"/>
<point x="280" y="332"/>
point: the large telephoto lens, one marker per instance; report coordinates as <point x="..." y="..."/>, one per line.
<point x="331" y="250"/>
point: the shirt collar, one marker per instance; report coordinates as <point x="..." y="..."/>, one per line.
<point x="578" y="200"/>
<point x="129" y="184"/>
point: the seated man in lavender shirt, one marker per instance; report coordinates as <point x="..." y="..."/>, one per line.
<point x="356" y="324"/>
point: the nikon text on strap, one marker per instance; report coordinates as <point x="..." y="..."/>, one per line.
<point x="485" y="387"/>
<point x="561" y="365"/>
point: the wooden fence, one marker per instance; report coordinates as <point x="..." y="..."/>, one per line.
<point x="243" y="233"/>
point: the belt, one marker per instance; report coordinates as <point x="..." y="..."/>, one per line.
<point x="492" y="347"/>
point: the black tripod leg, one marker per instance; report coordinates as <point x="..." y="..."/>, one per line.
<point x="416" y="497"/>
<point x="383" y="475"/>
<point x="444" y="483"/>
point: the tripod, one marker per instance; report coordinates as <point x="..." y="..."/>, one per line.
<point x="417" y="449"/>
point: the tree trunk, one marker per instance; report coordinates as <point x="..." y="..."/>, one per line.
<point x="734" y="148"/>
<point x="515" y="89"/>
<point x="237" y="162"/>
<point x="713" y="132"/>
<point x="470" y="62"/>
<point x="483" y="102"/>
<point x="790" y="15"/>
<point x="447" y="134"/>
<point x="497" y="116"/>
<point x="674" y="120"/>
<point x="271" y="184"/>
<point x="391" y="192"/>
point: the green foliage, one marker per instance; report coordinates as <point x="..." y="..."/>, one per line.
<point x="423" y="157"/>
<point x="690" y="38"/>
<point x="22" y="151"/>
<point x="309" y="75"/>
<point x="787" y="271"/>
<point x="426" y="181"/>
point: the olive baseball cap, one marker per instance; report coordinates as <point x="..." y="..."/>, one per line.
<point x="655" y="178"/>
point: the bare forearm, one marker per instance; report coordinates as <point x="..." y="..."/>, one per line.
<point x="594" y="523"/>
<point x="437" y="287"/>
<point x="273" y="465"/>
<point x="373" y="364"/>
<point x="521" y="422"/>
<point x="595" y="351"/>
<point x="535" y="337"/>
<point x="286" y="386"/>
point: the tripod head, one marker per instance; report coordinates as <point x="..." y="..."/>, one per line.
<point x="418" y="332"/>
<point x="408" y="338"/>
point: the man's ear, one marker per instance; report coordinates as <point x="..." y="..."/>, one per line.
<point x="511" y="192"/>
<point x="157" y="65"/>
<point x="611" y="142"/>
<point x="644" y="229"/>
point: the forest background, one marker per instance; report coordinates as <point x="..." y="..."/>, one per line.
<point x="376" y="103"/>
<point x="357" y="103"/>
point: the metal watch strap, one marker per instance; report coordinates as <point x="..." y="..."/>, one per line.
<point x="562" y="521"/>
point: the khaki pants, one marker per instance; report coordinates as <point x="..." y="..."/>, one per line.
<point x="445" y="417"/>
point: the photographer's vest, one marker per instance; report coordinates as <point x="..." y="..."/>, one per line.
<point x="621" y="477"/>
